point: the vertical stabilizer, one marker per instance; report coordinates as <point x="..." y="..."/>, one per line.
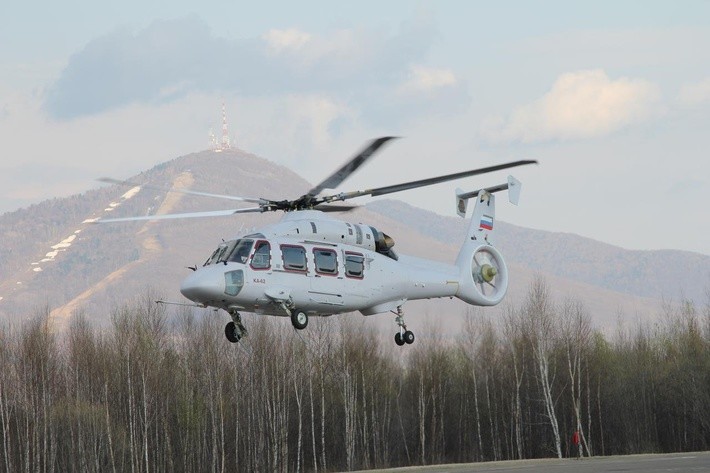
<point x="480" y="230"/>
<point x="513" y="190"/>
<point x="483" y="219"/>
<point x="461" y="203"/>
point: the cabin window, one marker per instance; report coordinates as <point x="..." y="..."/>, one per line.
<point x="326" y="261"/>
<point x="294" y="258"/>
<point x="241" y="251"/>
<point x="354" y="265"/>
<point x="262" y="256"/>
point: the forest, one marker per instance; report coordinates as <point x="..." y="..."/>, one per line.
<point x="164" y="391"/>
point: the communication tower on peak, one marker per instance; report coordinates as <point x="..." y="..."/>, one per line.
<point x="225" y="134"/>
<point x="224" y="143"/>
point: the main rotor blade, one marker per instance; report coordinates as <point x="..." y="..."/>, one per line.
<point x="335" y="179"/>
<point x="426" y="182"/>
<point x="335" y="208"/>
<point x="210" y="213"/>
<point x="253" y="200"/>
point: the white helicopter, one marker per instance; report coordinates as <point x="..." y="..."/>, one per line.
<point x="310" y="264"/>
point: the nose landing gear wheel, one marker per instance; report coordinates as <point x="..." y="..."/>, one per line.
<point x="299" y="319"/>
<point x="408" y="337"/>
<point x="230" y="331"/>
<point x="235" y="330"/>
<point x="398" y="339"/>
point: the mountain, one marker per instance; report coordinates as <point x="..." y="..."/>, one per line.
<point x="49" y="258"/>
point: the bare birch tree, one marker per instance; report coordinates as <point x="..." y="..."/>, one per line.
<point x="576" y="331"/>
<point x="540" y="325"/>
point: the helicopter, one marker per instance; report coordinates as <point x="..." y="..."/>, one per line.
<point x="311" y="264"/>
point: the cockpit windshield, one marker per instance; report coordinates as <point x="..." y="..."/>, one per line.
<point x="241" y="250"/>
<point x="234" y="250"/>
<point x="218" y="253"/>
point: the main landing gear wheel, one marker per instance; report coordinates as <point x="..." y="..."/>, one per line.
<point x="299" y="319"/>
<point x="230" y="331"/>
<point x="404" y="335"/>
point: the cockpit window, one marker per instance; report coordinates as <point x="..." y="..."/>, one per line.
<point x="241" y="251"/>
<point x="262" y="256"/>
<point x="213" y="257"/>
<point x="227" y="251"/>
<point x="221" y="253"/>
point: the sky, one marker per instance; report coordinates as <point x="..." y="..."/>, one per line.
<point x="611" y="97"/>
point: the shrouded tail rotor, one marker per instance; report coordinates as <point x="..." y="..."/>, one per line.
<point x="489" y="273"/>
<point x="488" y="281"/>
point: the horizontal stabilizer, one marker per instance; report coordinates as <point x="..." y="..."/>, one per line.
<point x="513" y="186"/>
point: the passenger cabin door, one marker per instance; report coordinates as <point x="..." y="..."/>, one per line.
<point x="327" y="279"/>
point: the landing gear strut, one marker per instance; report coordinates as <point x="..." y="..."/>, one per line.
<point x="235" y="330"/>
<point x="404" y="335"/>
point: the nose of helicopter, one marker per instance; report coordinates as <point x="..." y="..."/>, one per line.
<point x="203" y="286"/>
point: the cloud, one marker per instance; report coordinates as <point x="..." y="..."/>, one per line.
<point x="169" y="60"/>
<point x="581" y="104"/>
<point x="280" y="40"/>
<point x="123" y="68"/>
<point x="427" y="79"/>
<point x="695" y="94"/>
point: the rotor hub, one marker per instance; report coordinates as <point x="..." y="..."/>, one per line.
<point x="488" y="272"/>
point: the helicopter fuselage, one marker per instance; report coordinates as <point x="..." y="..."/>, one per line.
<point x="320" y="265"/>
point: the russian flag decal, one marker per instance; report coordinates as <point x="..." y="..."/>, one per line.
<point x="486" y="222"/>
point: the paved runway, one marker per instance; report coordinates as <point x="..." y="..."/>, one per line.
<point x="672" y="462"/>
